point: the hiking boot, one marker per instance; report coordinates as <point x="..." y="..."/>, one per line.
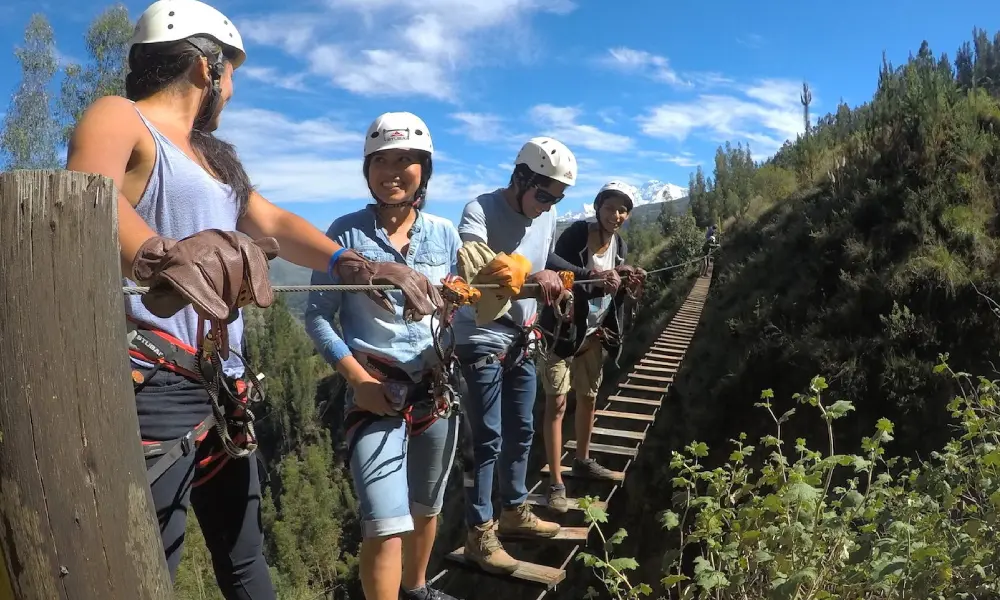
<point x="483" y="548"/>
<point x="521" y="521"/>
<point x="424" y="593"/>
<point x="591" y="469"/>
<point x="556" y="500"/>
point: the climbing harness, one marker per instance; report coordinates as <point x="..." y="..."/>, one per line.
<point x="231" y="419"/>
<point x="530" y="340"/>
<point x="634" y="287"/>
<point x="420" y="404"/>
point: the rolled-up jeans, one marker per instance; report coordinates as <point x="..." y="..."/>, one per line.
<point x="398" y="475"/>
<point x="498" y="406"/>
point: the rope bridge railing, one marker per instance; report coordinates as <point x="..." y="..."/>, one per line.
<point x="285" y="289"/>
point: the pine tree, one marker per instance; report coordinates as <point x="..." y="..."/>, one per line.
<point x="107" y="46"/>
<point x="30" y="133"/>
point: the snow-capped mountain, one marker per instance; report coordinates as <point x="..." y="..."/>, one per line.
<point x="651" y="192"/>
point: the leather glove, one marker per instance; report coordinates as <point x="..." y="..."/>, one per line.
<point x="627" y="271"/>
<point x="550" y="284"/>
<point x="214" y="271"/>
<point x="507" y="271"/>
<point x="421" y="297"/>
<point x="611" y="281"/>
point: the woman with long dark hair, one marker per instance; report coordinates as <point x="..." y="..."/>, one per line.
<point x="186" y="212"/>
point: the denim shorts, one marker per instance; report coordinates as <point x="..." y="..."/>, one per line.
<point x="397" y="475"/>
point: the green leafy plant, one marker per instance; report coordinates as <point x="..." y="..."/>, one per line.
<point x="611" y="571"/>
<point x="805" y="524"/>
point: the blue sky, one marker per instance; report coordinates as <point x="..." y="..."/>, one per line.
<point x="639" y="90"/>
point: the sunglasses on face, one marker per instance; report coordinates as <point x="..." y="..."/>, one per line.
<point x="543" y="196"/>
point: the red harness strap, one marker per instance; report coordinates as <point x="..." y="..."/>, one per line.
<point x="165" y="351"/>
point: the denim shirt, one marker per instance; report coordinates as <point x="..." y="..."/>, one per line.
<point x="364" y="325"/>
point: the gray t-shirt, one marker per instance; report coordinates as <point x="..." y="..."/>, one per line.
<point x="492" y="220"/>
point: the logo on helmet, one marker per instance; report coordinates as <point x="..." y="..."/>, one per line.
<point x="393" y="135"/>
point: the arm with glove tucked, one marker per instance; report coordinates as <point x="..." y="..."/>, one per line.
<point x="307" y="246"/>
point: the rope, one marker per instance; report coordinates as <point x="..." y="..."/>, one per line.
<point x="282" y="289"/>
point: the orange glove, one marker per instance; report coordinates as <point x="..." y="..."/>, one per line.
<point x="508" y="270"/>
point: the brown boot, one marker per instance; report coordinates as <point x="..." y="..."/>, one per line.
<point x="483" y="548"/>
<point x="556" y="500"/>
<point x="521" y="521"/>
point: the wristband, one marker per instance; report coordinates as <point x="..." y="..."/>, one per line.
<point x="333" y="260"/>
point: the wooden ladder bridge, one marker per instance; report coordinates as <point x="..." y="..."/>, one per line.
<point x="620" y="428"/>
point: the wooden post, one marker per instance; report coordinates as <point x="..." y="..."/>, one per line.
<point x="76" y="517"/>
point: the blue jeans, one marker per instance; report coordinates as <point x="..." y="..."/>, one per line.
<point x="397" y="475"/>
<point x="498" y="405"/>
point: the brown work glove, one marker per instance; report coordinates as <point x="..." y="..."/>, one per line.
<point x="422" y="298"/>
<point x="627" y="271"/>
<point x="610" y="279"/>
<point x="214" y="271"/>
<point x="550" y="285"/>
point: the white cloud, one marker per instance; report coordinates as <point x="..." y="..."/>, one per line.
<point x="683" y="159"/>
<point x="480" y="127"/>
<point x="649" y="65"/>
<point x="272" y="76"/>
<point x="400" y="47"/>
<point x="560" y="122"/>
<point x="318" y="160"/>
<point x="768" y="114"/>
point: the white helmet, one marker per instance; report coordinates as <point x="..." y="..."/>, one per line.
<point x="548" y="157"/>
<point x="620" y="187"/>
<point x="172" y="20"/>
<point x="398" y="130"/>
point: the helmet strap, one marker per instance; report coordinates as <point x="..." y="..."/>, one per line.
<point x="216" y="67"/>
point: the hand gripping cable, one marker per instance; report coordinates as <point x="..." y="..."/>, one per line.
<point x="455" y="292"/>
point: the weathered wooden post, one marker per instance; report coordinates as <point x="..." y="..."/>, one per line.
<point x="76" y="517"/>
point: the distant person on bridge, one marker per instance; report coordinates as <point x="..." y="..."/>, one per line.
<point x="400" y="453"/>
<point x="711" y="245"/>
<point x="579" y="348"/>
<point x="186" y="213"/>
<point x="495" y="350"/>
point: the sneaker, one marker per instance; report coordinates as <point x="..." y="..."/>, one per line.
<point x="519" y="520"/>
<point x="556" y="499"/>
<point x="591" y="469"/>
<point x="424" y="593"/>
<point x="483" y="548"/>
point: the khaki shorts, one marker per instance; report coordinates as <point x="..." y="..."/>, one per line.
<point x="584" y="370"/>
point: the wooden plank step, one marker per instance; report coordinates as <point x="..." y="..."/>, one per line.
<point x="566" y="534"/>
<point x="644" y="388"/>
<point x="614" y="414"/>
<point x="526" y="571"/>
<point x="657" y="369"/>
<point x="675" y="350"/>
<point x="630" y="400"/>
<point x="606" y="449"/>
<point x="571" y="503"/>
<point x="652" y="377"/>
<point x="663" y="354"/>
<point x="620" y="433"/>
<point x="567" y="472"/>
<point x="675" y="340"/>
<point x="669" y="363"/>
